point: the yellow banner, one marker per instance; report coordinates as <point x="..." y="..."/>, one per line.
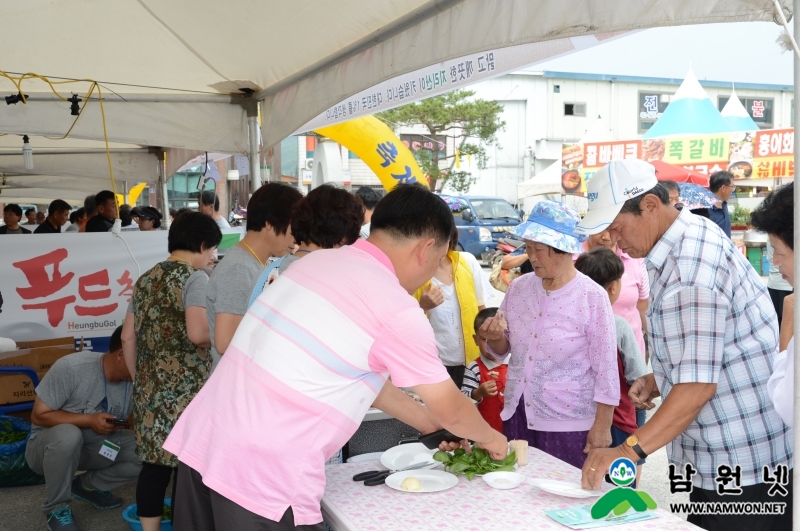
<point x="377" y="145"/>
<point x="696" y="149"/>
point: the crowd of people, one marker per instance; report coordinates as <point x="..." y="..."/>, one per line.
<point x="98" y="214"/>
<point x="244" y="379"/>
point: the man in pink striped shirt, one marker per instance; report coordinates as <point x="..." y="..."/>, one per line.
<point x="313" y="353"/>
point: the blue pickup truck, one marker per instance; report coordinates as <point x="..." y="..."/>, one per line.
<point x="481" y="221"/>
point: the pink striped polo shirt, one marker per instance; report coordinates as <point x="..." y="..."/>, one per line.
<point x="304" y="366"/>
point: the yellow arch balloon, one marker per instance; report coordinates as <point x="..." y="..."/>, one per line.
<point x="379" y="148"/>
<point x="133" y="195"/>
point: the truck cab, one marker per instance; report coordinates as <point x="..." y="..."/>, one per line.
<point x="481" y="221"/>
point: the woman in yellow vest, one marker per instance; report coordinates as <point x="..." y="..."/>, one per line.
<point x="452" y="299"/>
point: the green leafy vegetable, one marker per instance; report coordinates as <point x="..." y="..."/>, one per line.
<point x="9" y="435"/>
<point x="472" y="464"/>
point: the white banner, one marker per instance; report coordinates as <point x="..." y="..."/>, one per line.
<point x="448" y="76"/>
<point x="58" y="285"/>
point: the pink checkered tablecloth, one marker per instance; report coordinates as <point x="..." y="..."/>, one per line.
<point x="469" y="506"/>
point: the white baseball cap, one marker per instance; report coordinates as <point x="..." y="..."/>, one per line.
<point x="610" y="187"/>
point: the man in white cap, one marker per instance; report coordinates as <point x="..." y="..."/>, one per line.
<point x="713" y="338"/>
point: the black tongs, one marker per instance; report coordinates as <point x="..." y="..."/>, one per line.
<point x="372" y="478"/>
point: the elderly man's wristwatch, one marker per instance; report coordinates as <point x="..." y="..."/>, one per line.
<point x="633" y="443"/>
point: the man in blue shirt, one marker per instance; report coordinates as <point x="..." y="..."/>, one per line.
<point x="722" y="186"/>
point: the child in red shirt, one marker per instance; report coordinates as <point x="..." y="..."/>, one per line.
<point x="485" y="378"/>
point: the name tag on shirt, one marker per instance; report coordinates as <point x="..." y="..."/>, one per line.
<point x="109" y="450"/>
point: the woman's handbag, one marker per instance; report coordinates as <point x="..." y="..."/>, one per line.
<point x="501" y="278"/>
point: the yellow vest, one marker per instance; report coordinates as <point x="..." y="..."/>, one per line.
<point x="465" y="291"/>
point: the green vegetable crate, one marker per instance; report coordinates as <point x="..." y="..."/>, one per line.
<point x="14" y="471"/>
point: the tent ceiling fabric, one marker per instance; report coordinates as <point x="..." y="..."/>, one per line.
<point x="137" y="166"/>
<point x="201" y="125"/>
<point x="203" y="46"/>
<point x="472" y="26"/>
<point x="13" y="142"/>
<point x="71" y="184"/>
<point x="41" y="196"/>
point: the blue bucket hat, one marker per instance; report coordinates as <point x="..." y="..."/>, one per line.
<point x="552" y="224"/>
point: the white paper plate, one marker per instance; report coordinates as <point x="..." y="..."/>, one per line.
<point x="565" y="488"/>
<point x="431" y="480"/>
<point x="406" y="455"/>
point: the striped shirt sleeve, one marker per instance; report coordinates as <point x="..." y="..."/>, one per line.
<point x="694" y="326"/>
<point x="472" y="379"/>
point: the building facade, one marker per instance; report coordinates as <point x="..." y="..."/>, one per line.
<point x="542" y="110"/>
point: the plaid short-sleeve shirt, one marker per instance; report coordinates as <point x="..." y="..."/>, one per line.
<point x="712" y="321"/>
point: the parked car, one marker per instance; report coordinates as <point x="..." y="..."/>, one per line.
<point x="481" y="221"/>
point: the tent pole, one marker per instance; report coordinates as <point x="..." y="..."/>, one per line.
<point x="255" y="165"/>
<point x="162" y="178"/>
<point x="796" y="353"/>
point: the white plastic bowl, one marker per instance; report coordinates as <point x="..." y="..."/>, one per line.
<point x="503" y="480"/>
<point x="361" y="458"/>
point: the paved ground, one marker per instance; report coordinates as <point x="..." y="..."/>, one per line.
<point x="20" y="511"/>
<point x="19" y="507"/>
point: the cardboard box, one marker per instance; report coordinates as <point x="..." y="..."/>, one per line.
<point x="38" y="355"/>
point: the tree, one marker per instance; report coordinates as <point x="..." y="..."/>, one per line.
<point x="452" y="115"/>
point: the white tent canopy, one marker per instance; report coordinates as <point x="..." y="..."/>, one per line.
<point x="547" y="181"/>
<point x="175" y="65"/>
<point x="201" y="47"/>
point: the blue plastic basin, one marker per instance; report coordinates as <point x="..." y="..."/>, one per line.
<point x="129" y="515"/>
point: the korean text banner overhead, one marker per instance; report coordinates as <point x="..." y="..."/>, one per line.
<point x="56" y="285"/>
<point x="447" y="76"/>
<point x="751" y="155"/>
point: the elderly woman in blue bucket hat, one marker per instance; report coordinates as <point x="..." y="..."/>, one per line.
<point x="562" y="383"/>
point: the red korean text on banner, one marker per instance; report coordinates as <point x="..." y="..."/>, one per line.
<point x="127" y="285"/>
<point x="43" y="285"/>
<point x="774" y="143"/>
<point x="99" y="278"/>
<point x="596" y="154"/>
<point x="773" y="154"/>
